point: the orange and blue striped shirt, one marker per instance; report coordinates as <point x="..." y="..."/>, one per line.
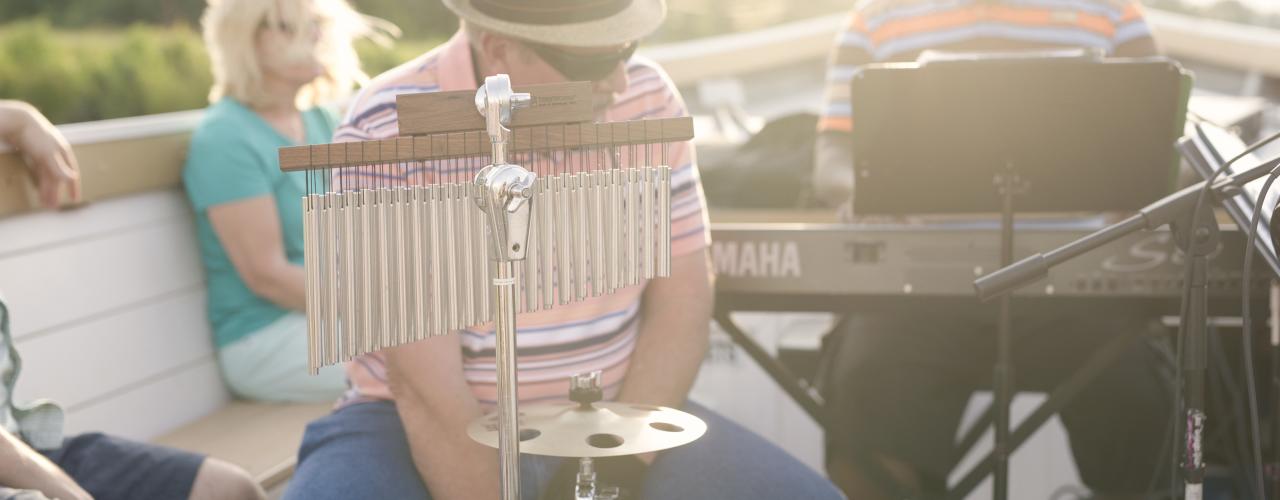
<point x="596" y="334"/>
<point x="899" y="30"/>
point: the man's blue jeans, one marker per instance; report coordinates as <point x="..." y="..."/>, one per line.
<point x="360" y="451"/>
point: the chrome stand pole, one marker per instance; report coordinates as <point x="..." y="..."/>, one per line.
<point x="504" y="301"/>
<point x="506" y="197"/>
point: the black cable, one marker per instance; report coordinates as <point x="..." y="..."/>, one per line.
<point x="1246" y="337"/>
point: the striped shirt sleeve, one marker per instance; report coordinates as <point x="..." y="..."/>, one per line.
<point x="1131" y="26"/>
<point x="851" y="50"/>
<point x="371" y="117"/>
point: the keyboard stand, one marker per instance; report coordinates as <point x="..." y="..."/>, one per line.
<point x="804" y="394"/>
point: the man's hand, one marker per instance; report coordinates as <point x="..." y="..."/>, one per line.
<point x="23" y="468"/>
<point x="44" y="148"/>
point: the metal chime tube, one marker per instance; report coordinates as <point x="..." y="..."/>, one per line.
<point x="310" y="253"/>
<point x="630" y="210"/>
<point x="436" y="259"/>
<point x="546" y="239"/>
<point x="564" y="246"/>
<point x="384" y="272"/>
<point x="664" y="221"/>
<point x="595" y="218"/>
<point x="368" y="241"/>
<point x="450" y="258"/>
<point x="331" y="271"/>
<point x="383" y="338"/>
<point x="416" y="255"/>
<point x="403" y="246"/>
<point x="647" y="229"/>
<point x="581" y="226"/>
<point x="484" y="305"/>
<point x="348" y="259"/>
<point x="613" y="264"/>
<point x="464" y="238"/>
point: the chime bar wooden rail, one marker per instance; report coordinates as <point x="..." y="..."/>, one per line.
<point x="455" y="111"/>
<point x="446" y="145"/>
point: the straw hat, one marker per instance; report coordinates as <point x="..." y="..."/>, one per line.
<point x="576" y="23"/>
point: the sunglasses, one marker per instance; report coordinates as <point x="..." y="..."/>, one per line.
<point x="583" y="67"/>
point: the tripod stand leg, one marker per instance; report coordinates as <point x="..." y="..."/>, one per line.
<point x="1002" y="373"/>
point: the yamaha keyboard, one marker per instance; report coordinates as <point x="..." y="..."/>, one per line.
<point x="818" y="266"/>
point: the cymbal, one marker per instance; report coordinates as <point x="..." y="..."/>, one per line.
<point x="605" y="429"/>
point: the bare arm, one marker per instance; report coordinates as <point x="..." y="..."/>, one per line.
<point x="833" y="173"/>
<point x="1139" y="47"/>
<point x="23" y="468"/>
<point x="249" y="231"/>
<point x="674" y="331"/>
<point x="43" y="147"/>
<point x="435" y="404"/>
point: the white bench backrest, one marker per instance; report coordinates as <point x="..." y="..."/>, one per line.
<point x="107" y="306"/>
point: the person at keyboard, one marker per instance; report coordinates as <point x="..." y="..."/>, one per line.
<point x="897" y="381"/>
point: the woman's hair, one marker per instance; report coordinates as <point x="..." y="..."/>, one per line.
<point x="231" y="28"/>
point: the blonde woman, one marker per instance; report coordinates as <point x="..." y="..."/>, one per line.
<point x="276" y="64"/>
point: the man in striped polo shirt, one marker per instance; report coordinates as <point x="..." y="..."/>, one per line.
<point x="898" y="380"/>
<point x="400" y="431"/>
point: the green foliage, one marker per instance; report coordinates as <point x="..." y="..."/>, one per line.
<point x="418" y="19"/>
<point x="90" y="76"/>
<point x="99" y="13"/>
<point x="93" y="75"/>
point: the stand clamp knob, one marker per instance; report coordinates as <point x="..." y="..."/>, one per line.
<point x="584" y="388"/>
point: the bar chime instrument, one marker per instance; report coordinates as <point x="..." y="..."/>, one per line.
<point x="437" y="230"/>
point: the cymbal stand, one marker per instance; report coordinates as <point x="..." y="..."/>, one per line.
<point x="506" y="200"/>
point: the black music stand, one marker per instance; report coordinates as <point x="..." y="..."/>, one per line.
<point x="977" y="133"/>
<point x="1206" y="154"/>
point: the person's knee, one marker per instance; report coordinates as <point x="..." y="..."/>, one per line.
<point x="218" y="480"/>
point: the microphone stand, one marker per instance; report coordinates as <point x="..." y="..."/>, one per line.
<point x="1197" y="236"/>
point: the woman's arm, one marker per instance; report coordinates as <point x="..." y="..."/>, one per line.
<point x="23" y="468"/>
<point x="249" y="231"/>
